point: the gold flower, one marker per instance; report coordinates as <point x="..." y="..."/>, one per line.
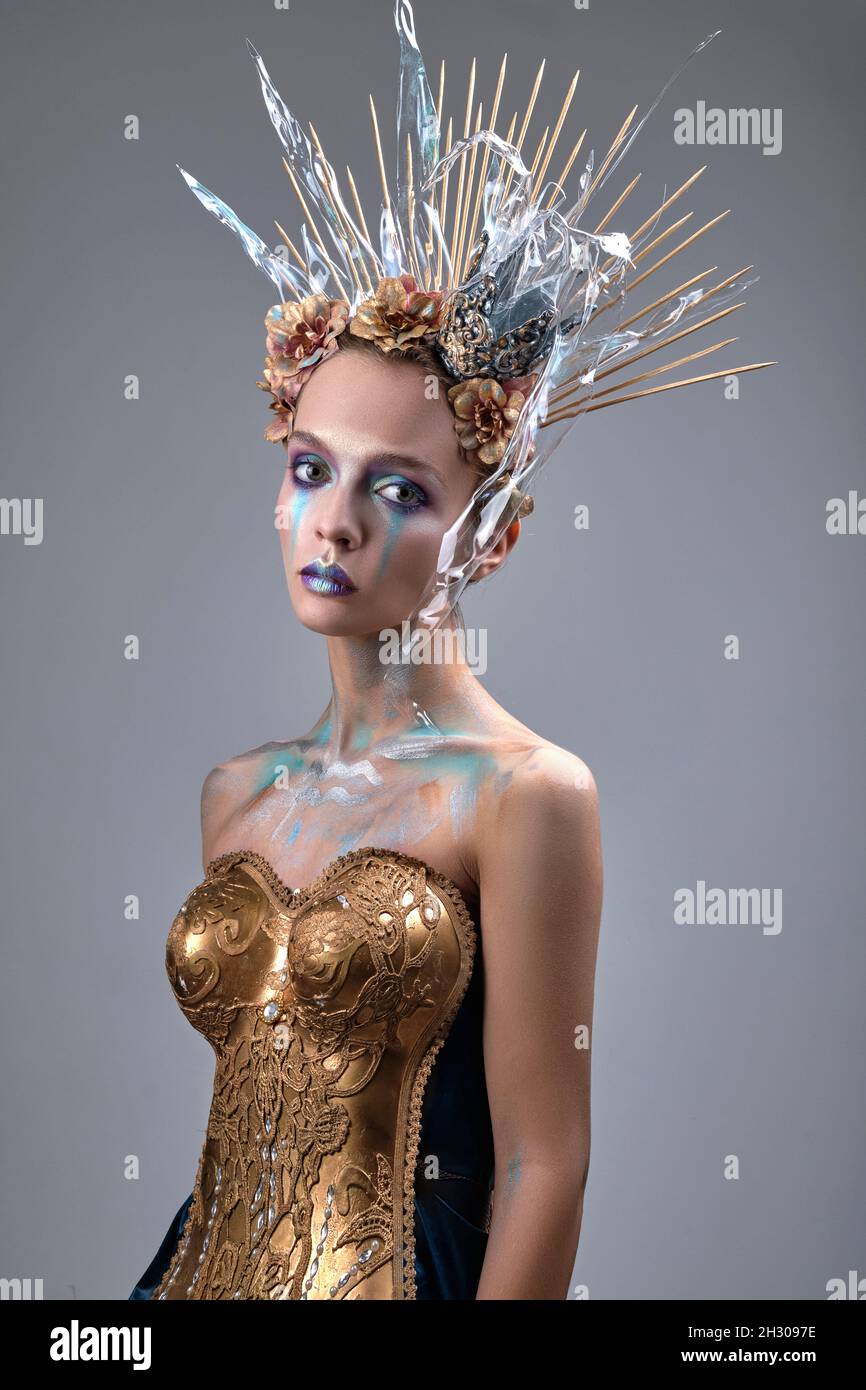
<point x="304" y="332"/>
<point x="398" y="314"/>
<point x="282" y="422"/>
<point x="300" y="335"/>
<point x="487" y="412"/>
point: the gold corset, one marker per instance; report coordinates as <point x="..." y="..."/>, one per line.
<point x="326" y="1007"/>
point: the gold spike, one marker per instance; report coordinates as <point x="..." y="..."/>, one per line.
<point x="386" y="197"/>
<point x="537" y="155"/>
<point x="675" y="252"/>
<point x="662" y="343"/>
<point x="566" y="171"/>
<point x="666" y="342"/>
<point x="486" y="158"/>
<point x="668" y="386"/>
<point x="562" y="390"/>
<point x="611" y="152"/>
<point x="662" y="236"/>
<point x="444" y="208"/>
<point x="667" y="202"/>
<point x="668" y="366"/>
<point x="348" y="235"/>
<point x="654" y="371"/>
<point x="472" y="160"/>
<point x="359" y="210"/>
<point x="363" y="222"/>
<point x="722" y="283"/>
<point x="558" y="127"/>
<point x="458" y="205"/>
<point x="659" y="210"/>
<point x="707" y="294"/>
<point x="531" y="106"/>
<point x="617" y="205"/>
<point x="663" y="299"/>
<point x="294" y="250"/>
<point x="658" y="265"/>
<point x="321" y="245"/>
<point x="526" y="119"/>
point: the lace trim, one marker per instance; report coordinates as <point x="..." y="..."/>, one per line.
<point x="295" y="897"/>
<point x="195" y="1207"/>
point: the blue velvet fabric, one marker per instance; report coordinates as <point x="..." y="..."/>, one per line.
<point x="149" y="1280"/>
<point x="450" y="1239"/>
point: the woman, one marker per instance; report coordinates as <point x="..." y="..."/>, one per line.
<point x="393" y="951"/>
<point x="509" y="819"/>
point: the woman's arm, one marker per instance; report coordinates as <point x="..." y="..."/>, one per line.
<point x="540" y="876"/>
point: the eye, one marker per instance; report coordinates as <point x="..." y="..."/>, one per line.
<point x="315" y="470"/>
<point x="409" y="496"/>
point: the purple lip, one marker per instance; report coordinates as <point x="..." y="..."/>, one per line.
<point x="326" y="579"/>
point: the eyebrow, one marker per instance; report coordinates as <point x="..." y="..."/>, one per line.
<point x="389" y="459"/>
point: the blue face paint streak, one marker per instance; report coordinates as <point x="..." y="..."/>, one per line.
<point x="395" y="525"/>
<point x="296" y="510"/>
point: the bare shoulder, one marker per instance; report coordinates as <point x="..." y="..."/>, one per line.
<point x="542" y="798"/>
<point x="533" y="772"/>
<point x="554" y="790"/>
<point x="550" y="770"/>
<point x="231" y="785"/>
<point x="539" y="842"/>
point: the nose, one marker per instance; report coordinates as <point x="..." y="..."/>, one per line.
<point x="336" y="518"/>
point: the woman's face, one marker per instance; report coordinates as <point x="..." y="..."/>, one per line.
<point x="373" y="481"/>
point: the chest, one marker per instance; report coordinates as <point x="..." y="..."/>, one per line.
<point x="354" y="946"/>
<point x="301" y="829"/>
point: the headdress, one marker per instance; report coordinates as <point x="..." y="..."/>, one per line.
<point x="481" y="257"/>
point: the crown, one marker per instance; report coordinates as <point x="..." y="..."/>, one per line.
<point x="479" y="255"/>
<point x="465" y="340"/>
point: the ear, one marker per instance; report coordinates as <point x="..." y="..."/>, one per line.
<point x="497" y="555"/>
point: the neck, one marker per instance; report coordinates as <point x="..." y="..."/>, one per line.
<point x="374" y="700"/>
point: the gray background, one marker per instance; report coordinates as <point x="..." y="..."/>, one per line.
<point x="707" y="517"/>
